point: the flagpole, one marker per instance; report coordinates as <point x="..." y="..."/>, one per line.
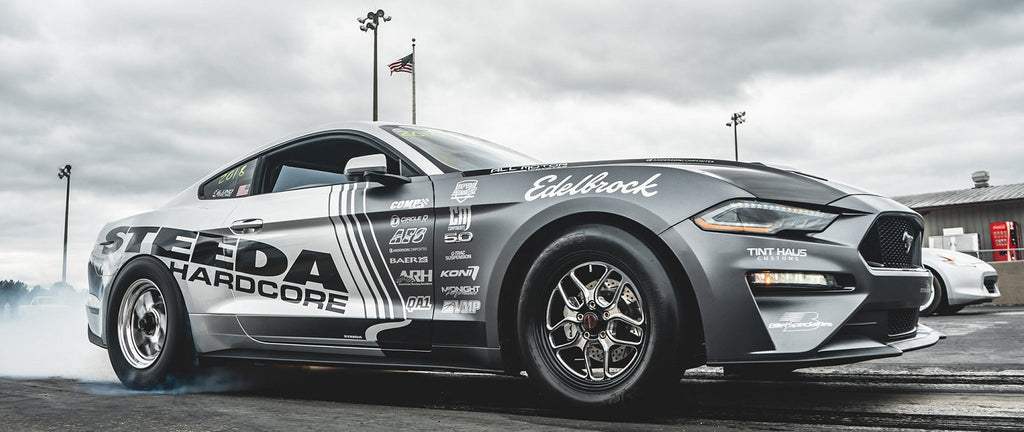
<point x="413" y="80"/>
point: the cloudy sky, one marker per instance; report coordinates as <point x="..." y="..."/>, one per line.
<point x="143" y="98"/>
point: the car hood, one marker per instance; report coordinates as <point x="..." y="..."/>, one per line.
<point x="763" y="181"/>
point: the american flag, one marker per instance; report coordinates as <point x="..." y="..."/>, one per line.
<point x="403" y="64"/>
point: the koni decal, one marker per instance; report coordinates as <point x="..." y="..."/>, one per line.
<point x="239" y="265"/>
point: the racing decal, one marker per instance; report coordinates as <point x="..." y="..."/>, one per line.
<point x="404" y="236"/>
<point x="460" y="218"/>
<point x="458" y="255"/>
<point x="458" y="237"/>
<point x="409" y="260"/>
<point x="799" y="321"/>
<point x="777" y="254"/>
<point x="468" y="272"/>
<point x="460" y="290"/>
<point x="550" y="186"/>
<point x="310" y="279"/>
<point x="415" y="303"/>
<point x="415" y="277"/>
<point x="464" y="190"/>
<point x="529" y="168"/>
<point x="460" y="306"/>
<point x="409" y="204"/>
<point x="396" y="220"/>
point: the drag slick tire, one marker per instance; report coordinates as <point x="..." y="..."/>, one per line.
<point x="148" y="340"/>
<point x="599" y="320"/>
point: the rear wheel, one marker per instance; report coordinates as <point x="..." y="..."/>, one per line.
<point x="935" y="297"/>
<point x="599" y="321"/>
<point x="148" y="344"/>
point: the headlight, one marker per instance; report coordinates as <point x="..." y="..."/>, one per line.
<point x="762" y="218"/>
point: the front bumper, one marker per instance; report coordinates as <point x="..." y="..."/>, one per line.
<point x="874" y="317"/>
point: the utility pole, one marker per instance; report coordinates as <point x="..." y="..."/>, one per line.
<point x="737" y="119"/>
<point x="414" y="80"/>
<point x="61" y="174"/>
<point x="372" y="21"/>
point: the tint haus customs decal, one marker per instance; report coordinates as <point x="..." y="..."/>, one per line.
<point x="241" y="265"/>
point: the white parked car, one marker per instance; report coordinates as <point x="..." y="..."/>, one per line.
<point x="958" y="280"/>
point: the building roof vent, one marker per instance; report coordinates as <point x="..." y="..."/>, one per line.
<point x="980" y="179"/>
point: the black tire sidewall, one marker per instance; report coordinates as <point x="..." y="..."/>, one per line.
<point x="660" y="357"/>
<point x="178" y="352"/>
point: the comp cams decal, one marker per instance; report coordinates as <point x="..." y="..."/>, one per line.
<point x="239" y="265"/>
<point x="550" y="186"/>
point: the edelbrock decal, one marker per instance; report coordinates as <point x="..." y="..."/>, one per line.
<point x="464" y="190"/>
<point x="550" y="186"/>
<point x="799" y="321"/>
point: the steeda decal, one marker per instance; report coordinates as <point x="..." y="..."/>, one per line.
<point x="239" y="265"/>
<point x="549" y="186"/>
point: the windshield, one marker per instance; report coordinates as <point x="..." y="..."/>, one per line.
<point x="453" y="151"/>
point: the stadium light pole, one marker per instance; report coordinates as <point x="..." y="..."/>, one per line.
<point x="737" y="119"/>
<point x="372" y="21"/>
<point x="63" y="173"/>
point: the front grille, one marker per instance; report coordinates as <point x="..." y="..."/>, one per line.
<point x="902" y="322"/>
<point x="893" y="242"/>
<point x="990" y="284"/>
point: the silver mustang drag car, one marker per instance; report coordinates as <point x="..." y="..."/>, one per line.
<point x="407" y="247"/>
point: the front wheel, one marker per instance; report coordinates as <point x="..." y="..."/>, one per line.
<point x="148" y="341"/>
<point x="934" y="297"/>
<point x="599" y="320"/>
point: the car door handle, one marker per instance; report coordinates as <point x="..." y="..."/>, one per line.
<point x="246" y="226"/>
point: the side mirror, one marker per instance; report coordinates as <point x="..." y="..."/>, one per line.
<point x="362" y="165"/>
<point x="372" y="168"/>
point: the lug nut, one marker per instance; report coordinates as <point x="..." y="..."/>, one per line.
<point x="579" y="317"/>
<point x="604" y="335"/>
<point x="586" y="335"/>
<point x="606" y="315"/>
<point x="592" y="304"/>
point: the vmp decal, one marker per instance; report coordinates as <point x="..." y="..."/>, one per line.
<point x="799" y="321"/>
<point x="550" y="186"/>
<point x="235" y="264"/>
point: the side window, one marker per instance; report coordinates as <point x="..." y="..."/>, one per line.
<point x="235" y="182"/>
<point x="318" y="162"/>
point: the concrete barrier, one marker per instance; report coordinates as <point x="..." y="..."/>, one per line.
<point x="1011" y="283"/>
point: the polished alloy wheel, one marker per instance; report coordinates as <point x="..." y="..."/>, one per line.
<point x="932" y="288"/>
<point x="595" y="324"/>
<point x="142" y="324"/>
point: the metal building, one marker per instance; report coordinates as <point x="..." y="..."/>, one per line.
<point x="971" y="209"/>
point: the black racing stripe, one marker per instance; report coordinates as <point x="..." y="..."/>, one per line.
<point x="354" y="268"/>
